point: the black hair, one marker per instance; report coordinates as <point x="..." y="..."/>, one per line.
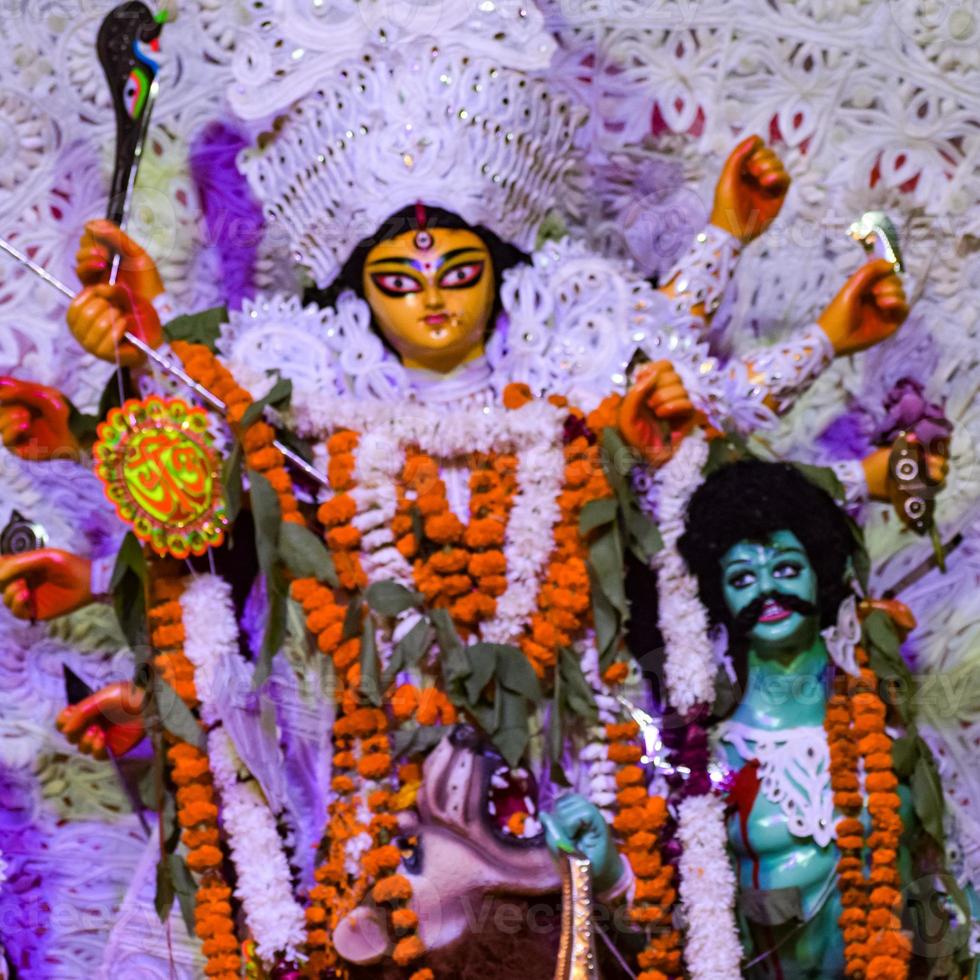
<point x="351" y="276"/>
<point x="750" y="500"/>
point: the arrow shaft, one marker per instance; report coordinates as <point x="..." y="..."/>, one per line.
<point x="162" y="362"/>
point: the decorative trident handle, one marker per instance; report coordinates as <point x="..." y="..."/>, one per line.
<point x="576" y="953"/>
<point x="132" y="78"/>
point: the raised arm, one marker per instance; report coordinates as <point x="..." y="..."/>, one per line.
<point x="748" y="196"/>
<point x="870" y="307"/>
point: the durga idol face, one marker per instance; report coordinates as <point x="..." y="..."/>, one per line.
<point x="432" y="293"/>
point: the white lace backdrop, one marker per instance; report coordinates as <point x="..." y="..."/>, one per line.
<point x="872" y="104"/>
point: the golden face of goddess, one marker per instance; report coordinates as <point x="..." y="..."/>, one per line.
<point x="431" y="293"/>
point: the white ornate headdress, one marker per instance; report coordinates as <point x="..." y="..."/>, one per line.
<point x="391" y="102"/>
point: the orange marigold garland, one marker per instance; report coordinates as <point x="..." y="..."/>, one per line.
<point x="362" y="749"/>
<point x="638" y="824"/>
<point x="256" y="439"/>
<point x="197" y="810"/>
<point x="563" y="606"/>
<point x="875" y="947"/>
<point x="456" y="566"/>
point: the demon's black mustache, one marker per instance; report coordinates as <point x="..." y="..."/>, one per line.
<point x="749" y="616"/>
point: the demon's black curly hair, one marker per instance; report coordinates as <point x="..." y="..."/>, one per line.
<point x="750" y="500"/>
<point x="351" y="276"/>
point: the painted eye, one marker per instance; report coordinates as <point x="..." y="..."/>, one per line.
<point x="742" y="580"/>
<point x="786" y="569"/>
<point x="395" y="283"/>
<point x="462" y="276"/>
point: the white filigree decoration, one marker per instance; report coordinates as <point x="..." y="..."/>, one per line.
<point x="794" y="771"/>
<point x="396" y="127"/>
<point x="787" y="370"/>
<point x="702" y="274"/>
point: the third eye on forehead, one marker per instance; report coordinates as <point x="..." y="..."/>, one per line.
<point x="420" y="266"/>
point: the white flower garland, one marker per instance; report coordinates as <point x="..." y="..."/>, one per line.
<point x="275" y="920"/>
<point x="689" y="666"/>
<point x="712" y="949"/>
<point x="601" y="770"/>
<point x="533" y="433"/>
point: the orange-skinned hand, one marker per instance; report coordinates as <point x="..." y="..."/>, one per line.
<point x="99" y="317"/>
<point x="877" y="477"/>
<point x="45" y="583"/>
<point x="656" y="413"/>
<point x="110" y="720"/>
<point x="870" y="307"/>
<point x="34" y="421"/>
<point x="751" y="190"/>
<point x="101" y="241"/>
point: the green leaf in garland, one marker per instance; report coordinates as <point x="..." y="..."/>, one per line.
<point x="370" y="686"/>
<point x="353" y="621"/>
<point x="884" y="650"/>
<point x="927" y="794"/>
<point x="905" y="755"/>
<point x="824" y="478"/>
<point x="644" y="536"/>
<point x="722" y="452"/>
<point x="198" y="328"/>
<point x="175" y="716"/>
<point x="390" y="598"/>
<point x="267" y="516"/>
<point x="597" y="513"/>
<point x="163" y="900"/>
<point x="278" y="397"/>
<point x="515" y="674"/>
<point x="606" y="621"/>
<point x="409" y="650"/>
<point x="417" y="739"/>
<point x="231" y="482"/>
<point x="606" y="560"/>
<point x="305" y="555"/>
<point x="576" y="692"/>
<point x="455" y="664"/>
<point x="554" y="736"/>
<point x="128" y="587"/>
<point x="483" y="665"/>
<point x="512" y="732"/>
<point x="183" y="884"/>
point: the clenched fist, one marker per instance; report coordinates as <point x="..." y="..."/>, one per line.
<point x="657" y="412"/>
<point x="750" y="191"/>
<point x="110" y="720"/>
<point x="870" y="307"/>
<point x="44" y="584"/>
<point x="34" y="421"/>
<point x="101" y="314"/>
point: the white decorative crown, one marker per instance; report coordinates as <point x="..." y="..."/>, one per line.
<point x="379" y="116"/>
